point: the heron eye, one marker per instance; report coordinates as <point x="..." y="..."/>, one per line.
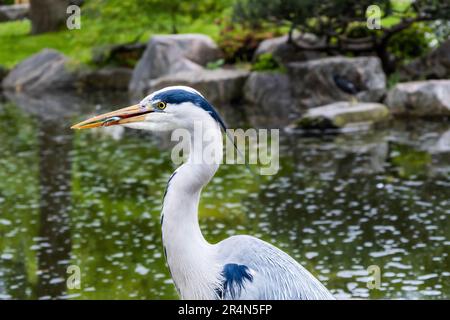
<point x="161" y="105"/>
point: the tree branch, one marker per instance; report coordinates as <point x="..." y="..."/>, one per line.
<point x="404" y="24"/>
<point x="353" y="47"/>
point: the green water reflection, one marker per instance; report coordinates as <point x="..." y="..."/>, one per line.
<point x="338" y="205"/>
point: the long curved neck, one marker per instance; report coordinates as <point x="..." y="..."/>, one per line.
<point x="190" y="257"/>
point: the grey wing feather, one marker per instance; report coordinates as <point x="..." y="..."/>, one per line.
<point x="276" y="275"/>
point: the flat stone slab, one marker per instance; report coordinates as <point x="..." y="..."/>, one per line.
<point x="343" y="114"/>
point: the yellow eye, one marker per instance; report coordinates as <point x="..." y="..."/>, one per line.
<point x="161" y="105"/>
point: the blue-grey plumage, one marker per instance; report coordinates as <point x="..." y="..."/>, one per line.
<point x="240" y="267"/>
<point x="275" y="274"/>
<point x="345" y="85"/>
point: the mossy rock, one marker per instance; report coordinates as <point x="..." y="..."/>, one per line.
<point x="342" y="114"/>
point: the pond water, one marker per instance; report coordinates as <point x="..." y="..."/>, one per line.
<point x="339" y="204"/>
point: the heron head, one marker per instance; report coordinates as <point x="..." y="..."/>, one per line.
<point x="164" y="110"/>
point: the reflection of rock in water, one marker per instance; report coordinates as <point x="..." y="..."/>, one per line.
<point x="371" y="152"/>
<point x="341" y="155"/>
<point x="363" y="157"/>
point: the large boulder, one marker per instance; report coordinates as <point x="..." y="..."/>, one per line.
<point x="220" y="86"/>
<point x="47" y="70"/>
<point x="420" y="98"/>
<point x="284" y="52"/>
<point x="435" y="65"/>
<point x="343" y="115"/>
<point x="170" y="54"/>
<point x="269" y="94"/>
<point x="313" y="81"/>
<point x="14" y="12"/>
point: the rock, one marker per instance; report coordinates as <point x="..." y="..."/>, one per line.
<point x="47" y="70"/>
<point x="435" y="65"/>
<point x="170" y="54"/>
<point x="269" y="94"/>
<point x="374" y="95"/>
<point x="313" y="83"/>
<point x="220" y="86"/>
<point x="108" y="78"/>
<point x="343" y="114"/>
<point x="284" y="53"/>
<point x="14" y="12"/>
<point x="51" y="71"/>
<point x="420" y="98"/>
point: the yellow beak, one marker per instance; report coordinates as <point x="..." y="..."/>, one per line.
<point x="133" y="113"/>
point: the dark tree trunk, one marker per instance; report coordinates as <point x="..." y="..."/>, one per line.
<point x="388" y="62"/>
<point x="47" y="15"/>
<point x="173" y="18"/>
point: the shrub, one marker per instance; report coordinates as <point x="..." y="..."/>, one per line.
<point x="411" y="43"/>
<point x="213" y="65"/>
<point x="266" y="62"/>
<point x="239" y="42"/>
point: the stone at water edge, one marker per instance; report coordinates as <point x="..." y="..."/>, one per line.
<point x="343" y="114"/>
<point x="47" y="70"/>
<point x="51" y="71"/>
<point x="420" y="98"/>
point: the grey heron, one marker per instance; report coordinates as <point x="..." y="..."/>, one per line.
<point x="239" y="267"/>
<point x="346" y="86"/>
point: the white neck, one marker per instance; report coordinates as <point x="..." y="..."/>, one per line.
<point x="190" y="257"/>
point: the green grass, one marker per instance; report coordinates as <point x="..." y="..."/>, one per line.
<point x="101" y="24"/>
<point x="105" y="22"/>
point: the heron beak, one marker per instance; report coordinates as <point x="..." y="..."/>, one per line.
<point x="130" y="114"/>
